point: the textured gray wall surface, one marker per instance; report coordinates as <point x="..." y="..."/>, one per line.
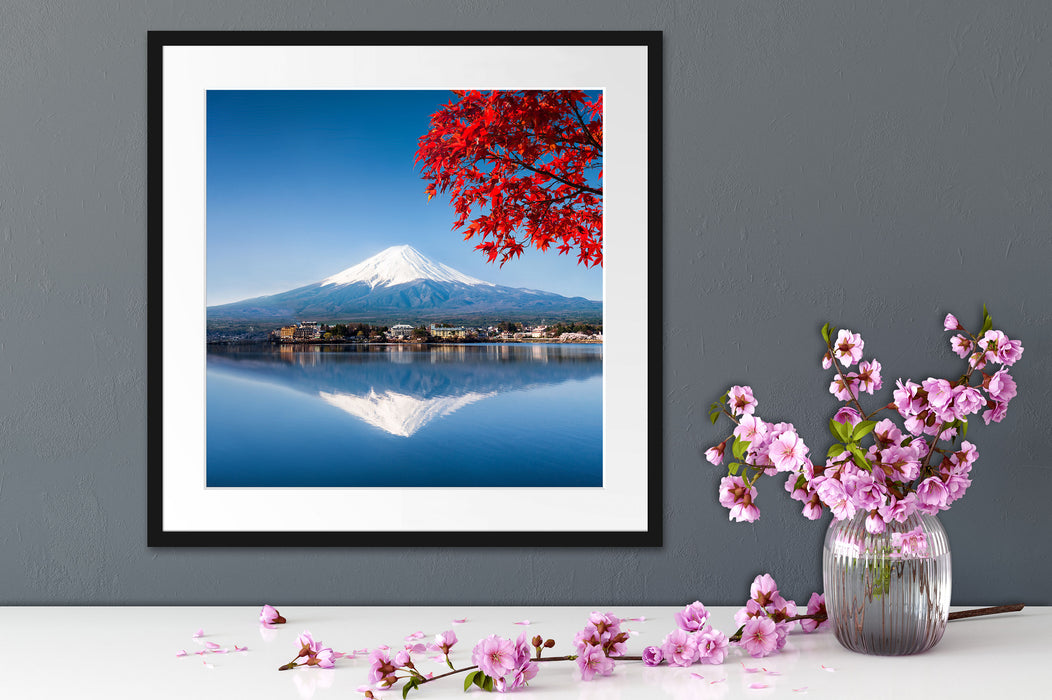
<point x="870" y="164"/>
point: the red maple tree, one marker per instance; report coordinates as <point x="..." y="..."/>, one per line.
<point x="521" y="168"/>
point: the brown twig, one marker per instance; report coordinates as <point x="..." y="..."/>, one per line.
<point x="977" y="612"/>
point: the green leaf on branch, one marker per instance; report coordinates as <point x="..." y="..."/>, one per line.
<point x="410" y="685"/>
<point x="469" y="680"/>
<point x="863" y="429"/>
<point x="835" y="451"/>
<point x="860" y="457"/>
<point x="907" y="441"/>
<point x="487" y="685"/>
<point x="964" y="430"/>
<point x="825" y="332"/>
<point x="988" y="322"/>
<point x="733" y="468"/>
<point x="714" y="416"/>
<point x="841" y="431"/>
<point x="740" y="446"/>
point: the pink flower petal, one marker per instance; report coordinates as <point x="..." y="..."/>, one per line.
<point x="181" y="652"/>
<point x="415" y="635"/>
<point x="698" y="676"/>
<point x="220" y="651"/>
<point x="199" y="633"/>
<point x="460" y="621"/>
<point x="801" y="689"/>
<point x="750" y="670"/>
<point x="772" y="673"/>
<point x="341" y="655"/>
<point x="211" y="645"/>
<point x="383" y="647"/>
<point x="429" y="675"/>
<point x="758" y="686"/>
<point x="237" y="648"/>
<point x="522" y="622"/>
<point x="827" y="668"/>
<point x="201" y="653"/>
<point x="715" y="682"/>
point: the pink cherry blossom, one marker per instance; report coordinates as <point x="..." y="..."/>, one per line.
<point x="269" y="615"/>
<point x="940" y="391"/>
<point x="993" y="342"/>
<point x="760" y="637"/>
<point x="835" y="496"/>
<point x="752" y="609"/>
<point x="996" y="413"/>
<point x="848" y="416"/>
<point x="692" y="618"/>
<point x="816" y="605"/>
<point x="931" y="495"/>
<point x="827" y="360"/>
<point x="1001" y="386"/>
<point x="1009" y="352"/>
<point x="874" y="523"/>
<point x="951" y="323"/>
<point x="966" y="401"/>
<point x="715" y="454"/>
<point x="908" y="400"/>
<point x="848" y="347"/>
<point x="961" y="345"/>
<point x="381" y="668"/>
<point x="680" y="648"/>
<point x="845" y="388"/>
<point x="593" y="662"/>
<point x="750" y="428"/>
<point x="741" y="401"/>
<point x="712" y="646"/>
<point x="444" y="641"/>
<point x="652" y="656"/>
<point x="736" y="495"/>
<point x="495" y="656"/>
<point x="869" y="376"/>
<point x="763" y="589"/>
<point x="788" y="451"/>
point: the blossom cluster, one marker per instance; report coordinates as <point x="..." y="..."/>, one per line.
<point x="898" y="470"/>
<point x="694" y="641"/>
<point x="315" y="653"/>
<point x="598" y="644"/>
<point x="767" y="617"/>
<point x="508" y="663"/>
<point x="384" y="668"/>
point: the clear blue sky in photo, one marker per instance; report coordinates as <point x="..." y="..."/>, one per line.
<point x="303" y="184"/>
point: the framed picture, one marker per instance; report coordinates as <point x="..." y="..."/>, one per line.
<point x="404" y="289"/>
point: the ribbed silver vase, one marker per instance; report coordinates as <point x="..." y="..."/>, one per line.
<point x="887" y="594"/>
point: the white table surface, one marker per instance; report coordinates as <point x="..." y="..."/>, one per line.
<point x="130" y="652"/>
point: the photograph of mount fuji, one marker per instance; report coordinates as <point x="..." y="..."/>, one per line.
<point x="404" y="288"/>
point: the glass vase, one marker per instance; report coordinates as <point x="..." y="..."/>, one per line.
<point x="887" y="593"/>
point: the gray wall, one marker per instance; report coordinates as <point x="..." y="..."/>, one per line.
<point x="870" y="164"/>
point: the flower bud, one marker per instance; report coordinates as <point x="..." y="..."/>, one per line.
<point x="537" y="641"/>
<point x="548" y="644"/>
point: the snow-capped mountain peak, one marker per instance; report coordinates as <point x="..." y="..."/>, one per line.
<point x="398" y="265"/>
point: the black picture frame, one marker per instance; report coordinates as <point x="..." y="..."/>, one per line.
<point x="161" y="535"/>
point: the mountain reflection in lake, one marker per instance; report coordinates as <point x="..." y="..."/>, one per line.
<point x="401" y="415"/>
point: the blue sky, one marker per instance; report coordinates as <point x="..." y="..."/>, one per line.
<point x="303" y="184"/>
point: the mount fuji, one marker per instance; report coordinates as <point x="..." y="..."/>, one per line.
<point x="400" y="284"/>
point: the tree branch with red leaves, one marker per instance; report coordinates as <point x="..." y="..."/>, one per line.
<point x="519" y="170"/>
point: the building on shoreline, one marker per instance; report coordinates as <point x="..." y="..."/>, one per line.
<point x="401" y="330"/>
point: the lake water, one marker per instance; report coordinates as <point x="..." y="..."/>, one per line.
<point x="404" y="415"/>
